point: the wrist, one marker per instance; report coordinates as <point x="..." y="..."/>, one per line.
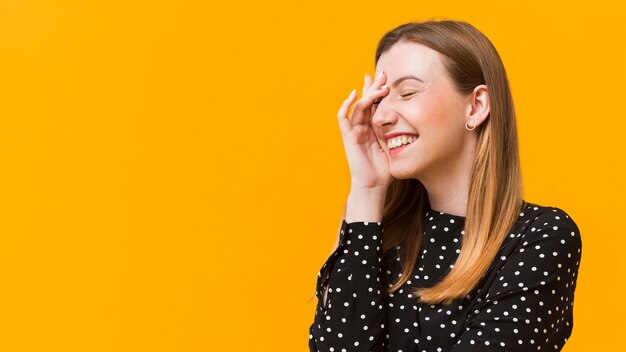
<point x="365" y="205"/>
<point x="368" y="192"/>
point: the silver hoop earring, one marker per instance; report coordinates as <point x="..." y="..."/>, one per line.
<point x="467" y="126"/>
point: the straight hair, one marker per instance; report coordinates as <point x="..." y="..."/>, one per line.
<point x="495" y="196"/>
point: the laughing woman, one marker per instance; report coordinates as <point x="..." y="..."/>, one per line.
<point x="438" y="250"/>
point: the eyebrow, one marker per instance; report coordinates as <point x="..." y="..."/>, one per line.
<point x="399" y="80"/>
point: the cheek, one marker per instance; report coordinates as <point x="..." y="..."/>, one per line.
<point x="425" y="114"/>
<point x="440" y="112"/>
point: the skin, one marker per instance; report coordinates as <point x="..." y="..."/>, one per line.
<point x="442" y="156"/>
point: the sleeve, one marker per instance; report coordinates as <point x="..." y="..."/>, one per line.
<point x="529" y="306"/>
<point x="354" y="316"/>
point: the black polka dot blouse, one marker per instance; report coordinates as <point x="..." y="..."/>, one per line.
<point x="523" y="303"/>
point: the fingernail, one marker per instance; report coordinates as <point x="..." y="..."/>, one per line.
<point x="365" y="79"/>
<point x="380" y="74"/>
<point x="383" y="87"/>
<point x="352" y="93"/>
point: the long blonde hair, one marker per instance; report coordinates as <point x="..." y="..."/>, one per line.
<point x="495" y="193"/>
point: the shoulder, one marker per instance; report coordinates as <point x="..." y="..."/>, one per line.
<point x="548" y="221"/>
<point x="542" y="250"/>
<point x="549" y="230"/>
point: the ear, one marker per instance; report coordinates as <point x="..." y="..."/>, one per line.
<point x="478" y="105"/>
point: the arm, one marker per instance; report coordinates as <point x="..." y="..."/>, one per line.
<point x="350" y="313"/>
<point x="529" y="306"/>
<point x="365" y="204"/>
<point x="339" y="231"/>
<point x="353" y="317"/>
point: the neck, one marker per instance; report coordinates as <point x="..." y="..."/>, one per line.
<point x="449" y="197"/>
<point x="448" y="188"/>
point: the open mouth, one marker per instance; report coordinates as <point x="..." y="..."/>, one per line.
<point x="401" y="141"/>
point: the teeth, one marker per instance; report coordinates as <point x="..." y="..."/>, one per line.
<point x="400" y="141"/>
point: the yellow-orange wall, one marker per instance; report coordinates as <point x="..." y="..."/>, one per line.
<point x="172" y="172"/>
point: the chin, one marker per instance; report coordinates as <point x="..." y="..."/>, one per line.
<point x="403" y="173"/>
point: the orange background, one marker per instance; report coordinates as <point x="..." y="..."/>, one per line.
<point x="173" y="172"/>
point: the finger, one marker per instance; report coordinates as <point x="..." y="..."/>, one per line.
<point x="342" y="114"/>
<point x="345" y="107"/>
<point x="362" y="109"/>
<point x="380" y="80"/>
<point x="367" y="82"/>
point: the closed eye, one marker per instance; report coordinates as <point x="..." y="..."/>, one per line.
<point x="377" y="101"/>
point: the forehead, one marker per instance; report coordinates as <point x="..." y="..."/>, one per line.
<point x="409" y="58"/>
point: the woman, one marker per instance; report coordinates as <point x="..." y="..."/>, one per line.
<point x="438" y="251"/>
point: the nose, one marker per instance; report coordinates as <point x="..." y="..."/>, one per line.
<point x="385" y="113"/>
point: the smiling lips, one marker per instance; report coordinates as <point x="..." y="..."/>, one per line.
<point x="400" y="141"/>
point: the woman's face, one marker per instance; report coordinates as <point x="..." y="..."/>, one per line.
<point x="426" y="106"/>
